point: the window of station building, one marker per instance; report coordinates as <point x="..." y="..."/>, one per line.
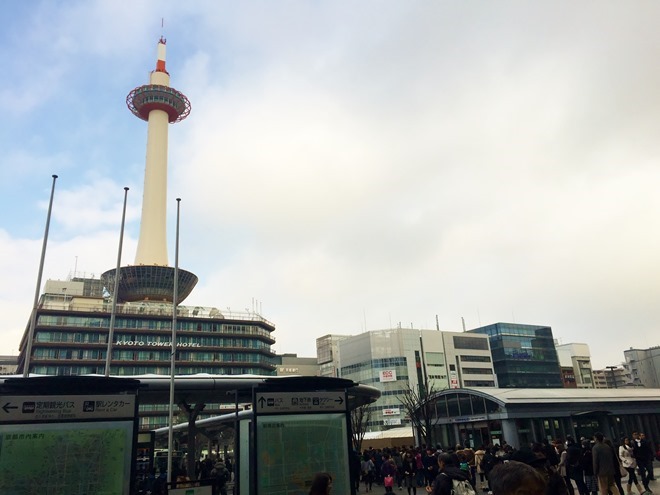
<point x="477" y="371"/>
<point x="435" y="359"/>
<point x="441" y="407"/>
<point x="479" y="383"/>
<point x="452" y="405"/>
<point x="465" y="405"/>
<point x="478" y="405"/>
<point x="492" y="406"/>
<point x="461" y="342"/>
<point x="475" y="359"/>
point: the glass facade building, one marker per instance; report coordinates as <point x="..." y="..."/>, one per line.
<point x="72" y="329"/>
<point x="524" y="356"/>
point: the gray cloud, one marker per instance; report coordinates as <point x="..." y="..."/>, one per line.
<point x="353" y="166"/>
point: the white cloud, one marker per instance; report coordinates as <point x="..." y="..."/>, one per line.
<point x="354" y="166"/>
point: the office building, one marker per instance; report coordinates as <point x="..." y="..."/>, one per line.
<point x="397" y="360"/>
<point x="524" y="356"/>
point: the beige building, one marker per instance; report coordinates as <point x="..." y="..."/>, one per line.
<point x="292" y="365"/>
<point x="575" y="362"/>
<point x="399" y="359"/>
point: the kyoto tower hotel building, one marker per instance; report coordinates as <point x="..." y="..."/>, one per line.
<point x="73" y="316"/>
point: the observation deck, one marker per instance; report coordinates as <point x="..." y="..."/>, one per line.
<point x="149" y="283"/>
<point x="144" y="99"/>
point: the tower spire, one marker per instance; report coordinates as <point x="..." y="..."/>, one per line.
<point x="159" y="105"/>
<point x="160" y="61"/>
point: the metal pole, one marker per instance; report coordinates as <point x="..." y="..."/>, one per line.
<point x="612" y="368"/>
<point x="113" y="312"/>
<point x="170" y="439"/>
<point x="33" y="316"/>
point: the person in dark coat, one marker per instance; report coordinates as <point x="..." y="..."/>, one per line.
<point x="554" y="482"/>
<point x="574" y="466"/>
<point x="516" y="478"/>
<point x="449" y="470"/>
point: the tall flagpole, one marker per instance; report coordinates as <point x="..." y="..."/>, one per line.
<point x="33" y="316"/>
<point x="175" y="302"/>
<point x="115" y="292"/>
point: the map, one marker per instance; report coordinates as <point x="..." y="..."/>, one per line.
<point x="292" y="448"/>
<point x="65" y="459"/>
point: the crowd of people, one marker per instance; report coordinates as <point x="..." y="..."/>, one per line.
<point x="587" y="466"/>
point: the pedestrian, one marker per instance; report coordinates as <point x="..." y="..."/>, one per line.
<point x="574" y="468"/>
<point x="643" y="454"/>
<point x="562" y="467"/>
<point x="367" y="469"/>
<point x="516" y="478"/>
<point x="630" y="464"/>
<point x="321" y="484"/>
<point x="619" y="472"/>
<point x="409" y="469"/>
<point x="451" y="480"/>
<point x="604" y="467"/>
<point x="220" y="476"/>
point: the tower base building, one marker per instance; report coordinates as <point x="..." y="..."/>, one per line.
<point x="71" y="338"/>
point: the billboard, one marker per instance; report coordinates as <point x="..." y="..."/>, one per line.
<point x="388" y="375"/>
<point x="391" y="411"/>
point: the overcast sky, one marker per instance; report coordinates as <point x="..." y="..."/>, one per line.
<point x="350" y="166"/>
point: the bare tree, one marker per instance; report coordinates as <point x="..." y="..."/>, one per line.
<point x="360" y="418"/>
<point x="419" y="408"/>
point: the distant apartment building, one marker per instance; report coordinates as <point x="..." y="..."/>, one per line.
<point x="575" y="363"/>
<point x="612" y="377"/>
<point x="524" y="356"/>
<point x="292" y="365"/>
<point x="644" y="366"/>
<point x="397" y="360"/>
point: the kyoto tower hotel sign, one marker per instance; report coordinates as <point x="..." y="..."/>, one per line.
<point x="151" y="279"/>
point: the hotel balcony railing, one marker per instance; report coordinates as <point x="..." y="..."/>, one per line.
<point x="72" y="303"/>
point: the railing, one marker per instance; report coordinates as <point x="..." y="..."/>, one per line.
<point x="73" y="303"/>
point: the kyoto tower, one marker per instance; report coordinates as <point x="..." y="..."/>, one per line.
<point x="151" y="279"/>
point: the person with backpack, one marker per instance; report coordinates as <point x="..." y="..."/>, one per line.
<point x="220" y="476"/>
<point x="451" y="480"/>
<point x="367" y="467"/>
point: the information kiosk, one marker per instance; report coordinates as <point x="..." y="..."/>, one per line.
<point x="73" y="435"/>
<point x="301" y="427"/>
